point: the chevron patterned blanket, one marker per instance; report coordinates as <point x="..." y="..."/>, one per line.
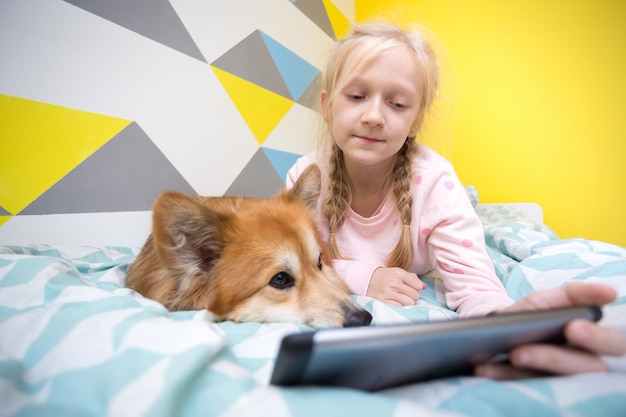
<point x="75" y="342"/>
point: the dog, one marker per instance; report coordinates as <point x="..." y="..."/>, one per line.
<point x="245" y="259"/>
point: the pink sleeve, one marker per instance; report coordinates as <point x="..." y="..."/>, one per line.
<point x="357" y="274"/>
<point x="458" y="247"/>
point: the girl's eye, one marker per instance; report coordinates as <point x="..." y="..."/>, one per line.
<point x="355" y="96"/>
<point x="399" y="105"/>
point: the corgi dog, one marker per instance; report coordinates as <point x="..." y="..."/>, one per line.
<point x="245" y="259"/>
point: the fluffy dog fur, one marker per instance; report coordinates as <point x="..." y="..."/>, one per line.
<point x="245" y="259"/>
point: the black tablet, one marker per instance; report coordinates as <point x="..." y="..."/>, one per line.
<point x="379" y="357"/>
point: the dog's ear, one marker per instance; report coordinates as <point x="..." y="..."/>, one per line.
<point x="186" y="231"/>
<point x="307" y="187"/>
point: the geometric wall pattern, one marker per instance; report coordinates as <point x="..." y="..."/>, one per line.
<point x="103" y="105"/>
<point x="126" y="174"/>
<point x="260" y="70"/>
<point x="326" y="15"/>
<point x="164" y="25"/>
<point x="42" y="143"/>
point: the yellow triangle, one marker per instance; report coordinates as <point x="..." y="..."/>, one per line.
<point x="4" y="219"/>
<point x="261" y="108"/>
<point x="341" y="25"/>
<point x="40" y="143"/>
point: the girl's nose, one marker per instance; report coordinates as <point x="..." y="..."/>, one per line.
<point x="373" y="112"/>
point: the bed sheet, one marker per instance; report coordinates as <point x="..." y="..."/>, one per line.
<point x="75" y="342"/>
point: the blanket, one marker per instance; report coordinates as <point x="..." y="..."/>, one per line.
<point x="74" y="341"/>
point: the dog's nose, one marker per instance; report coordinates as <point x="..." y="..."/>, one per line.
<point x="357" y="318"/>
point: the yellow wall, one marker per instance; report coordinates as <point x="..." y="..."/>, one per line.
<point x="541" y="90"/>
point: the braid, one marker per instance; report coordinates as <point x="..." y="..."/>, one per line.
<point x="402" y="254"/>
<point x="337" y="198"/>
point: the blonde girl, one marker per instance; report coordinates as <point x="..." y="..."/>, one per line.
<point x="392" y="209"/>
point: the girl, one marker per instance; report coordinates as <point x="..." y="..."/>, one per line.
<point x="392" y="209"/>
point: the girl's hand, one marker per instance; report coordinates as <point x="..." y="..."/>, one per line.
<point x="586" y="341"/>
<point x="395" y="286"/>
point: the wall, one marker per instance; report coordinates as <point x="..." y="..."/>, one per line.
<point x="103" y="105"/>
<point x="541" y="96"/>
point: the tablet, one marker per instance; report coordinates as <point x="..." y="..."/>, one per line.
<point x="379" y="357"/>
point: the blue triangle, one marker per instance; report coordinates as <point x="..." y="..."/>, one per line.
<point x="296" y="72"/>
<point x="281" y="161"/>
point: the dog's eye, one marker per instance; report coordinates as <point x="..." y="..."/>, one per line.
<point x="282" y="281"/>
<point x="319" y="262"/>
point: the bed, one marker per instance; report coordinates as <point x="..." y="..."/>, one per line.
<point x="75" y="342"/>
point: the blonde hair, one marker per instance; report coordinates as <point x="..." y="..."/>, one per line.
<point x="364" y="43"/>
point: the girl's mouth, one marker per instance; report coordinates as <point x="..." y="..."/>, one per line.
<point x="368" y="139"/>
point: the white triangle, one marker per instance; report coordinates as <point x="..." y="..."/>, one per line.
<point x="296" y="133"/>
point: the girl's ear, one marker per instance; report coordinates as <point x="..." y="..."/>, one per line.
<point x="323" y="104"/>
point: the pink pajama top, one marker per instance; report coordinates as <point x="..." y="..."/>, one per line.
<point x="448" y="236"/>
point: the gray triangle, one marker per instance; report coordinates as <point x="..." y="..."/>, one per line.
<point x="258" y="179"/>
<point x="125" y="174"/>
<point x="251" y="60"/>
<point x="315" y="10"/>
<point x="311" y="96"/>
<point x="154" y="19"/>
<point x="3" y="212"/>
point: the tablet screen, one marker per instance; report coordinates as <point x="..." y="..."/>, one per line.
<point x="374" y="358"/>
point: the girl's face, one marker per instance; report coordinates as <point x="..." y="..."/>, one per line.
<point x="376" y="111"/>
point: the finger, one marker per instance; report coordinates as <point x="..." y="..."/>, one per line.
<point x="501" y="371"/>
<point x="392" y="302"/>
<point x="576" y="293"/>
<point x="414" y="282"/>
<point x="410" y="293"/>
<point x="404" y="302"/>
<point x="421" y="285"/>
<point x="589" y="294"/>
<point x="561" y="360"/>
<point x="601" y="340"/>
<point x="399" y="299"/>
